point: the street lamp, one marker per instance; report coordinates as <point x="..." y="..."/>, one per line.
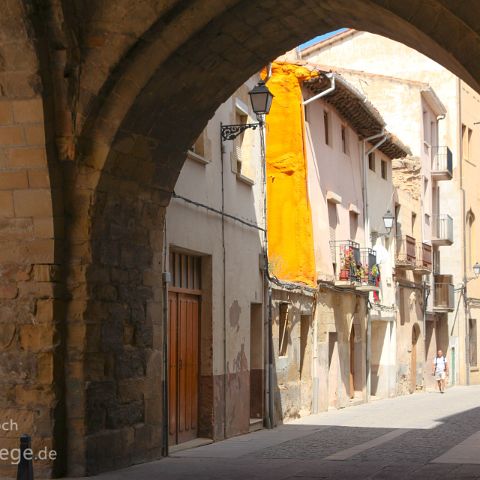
<point x="388" y="219"/>
<point x="476" y="269"/>
<point x="261" y="100"/>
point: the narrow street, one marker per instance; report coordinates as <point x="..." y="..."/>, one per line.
<point x="421" y="436"/>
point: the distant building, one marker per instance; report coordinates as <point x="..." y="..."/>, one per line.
<point x="441" y="129"/>
<point x="317" y="161"/>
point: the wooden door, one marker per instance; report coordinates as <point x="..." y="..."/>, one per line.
<point x="172" y="369"/>
<point x="183" y="366"/>
<point x="352" y="362"/>
<point x="333" y="369"/>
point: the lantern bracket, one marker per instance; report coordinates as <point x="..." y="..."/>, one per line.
<point x="230" y="132"/>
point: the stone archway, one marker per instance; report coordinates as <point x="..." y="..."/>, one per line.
<point x="105" y="100"/>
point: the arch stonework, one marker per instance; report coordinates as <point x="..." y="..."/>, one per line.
<point x="100" y="101"/>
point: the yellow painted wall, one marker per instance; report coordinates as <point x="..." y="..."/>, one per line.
<point x="290" y="232"/>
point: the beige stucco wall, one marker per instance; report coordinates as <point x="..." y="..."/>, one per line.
<point x="409" y="301"/>
<point x="470" y="113"/>
<point x="195" y="230"/>
<point x="335" y="314"/>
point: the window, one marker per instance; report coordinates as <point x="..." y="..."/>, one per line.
<point x="434" y="133"/>
<point x="398" y="225"/>
<point x="384" y="169"/>
<point x="470" y="238"/>
<point x="198" y="147"/>
<point x="332" y="230"/>
<point x="344" y="140"/>
<point x="371" y="161"/>
<point x="414" y="219"/>
<point x="283" y="330"/>
<point x="353" y="225"/>
<point x="466" y="140"/>
<point x="426" y="138"/>
<point x="332" y="220"/>
<point x="436" y="261"/>
<point x="240" y="119"/>
<point x="427" y="219"/>
<point x="185" y="271"/>
<point x="326" y="127"/>
<point x="305" y="321"/>
<point x="472" y="337"/>
<point x="198" y="151"/>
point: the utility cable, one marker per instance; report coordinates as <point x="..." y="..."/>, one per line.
<point x="219" y="212"/>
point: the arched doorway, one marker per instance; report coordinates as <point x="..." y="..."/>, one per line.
<point x="413" y="358"/>
<point x="352" y="362"/>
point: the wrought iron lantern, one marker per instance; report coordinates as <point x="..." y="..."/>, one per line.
<point x="261" y="100"/>
<point x="476" y="269"/>
<point x="388" y="219"/>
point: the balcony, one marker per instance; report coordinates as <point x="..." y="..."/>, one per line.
<point x="423" y="263"/>
<point x="368" y="272"/>
<point x="442" y="231"/>
<point x="443" y="294"/>
<point x="354" y="266"/>
<point x="346" y="258"/>
<point x="406" y="255"/>
<point x="442" y="163"/>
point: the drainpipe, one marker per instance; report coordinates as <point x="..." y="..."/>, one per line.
<point x="269" y="73"/>
<point x="330" y="89"/>
<point x="222" y="151"/>
<point x="464" y="242"/>
<point x="315" y="369"/>
<point x="267" y="291"/>
<point x="366" y="223"/>
<point x="166" y="280"/>
<point x="271" y="406"/>
<point x="268" y="358"/>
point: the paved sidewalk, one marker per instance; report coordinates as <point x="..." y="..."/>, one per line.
<point x="421" y="436"/>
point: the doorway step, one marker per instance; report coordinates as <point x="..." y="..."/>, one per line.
<point x="256" y="424"/>
<point x="195" y="443"/>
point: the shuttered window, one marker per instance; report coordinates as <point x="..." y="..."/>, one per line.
<point x="185" y="271"/>
<point x="283" y="329"/>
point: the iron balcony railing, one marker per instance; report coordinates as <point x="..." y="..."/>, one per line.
<point x="442" y="162"/>
<point x="424" y="257"/>
<point x="442" y="229"/>
<point x="346" y="259"/>
<point x="368" y="272"/>
<point x="354" y="265"/>
<point x="444" y="293"/>
<point x="406" y="252"/>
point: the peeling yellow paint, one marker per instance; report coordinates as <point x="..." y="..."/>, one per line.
<point x="290" y="231"/>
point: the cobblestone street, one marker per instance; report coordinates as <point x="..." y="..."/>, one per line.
<point x="421" y="436"/>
